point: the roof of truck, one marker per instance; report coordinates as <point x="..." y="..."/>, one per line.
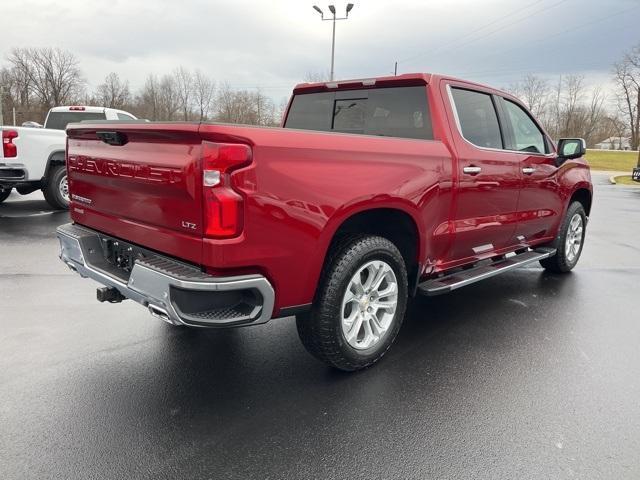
<point x="78" y="108"/>
<point x="390" y="81"/>
<point x="406" y="79"/>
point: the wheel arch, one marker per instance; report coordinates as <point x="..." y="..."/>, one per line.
<point x="397" y="223"/>
<point x="583" y="195"/>
<point x="57" y="157"/>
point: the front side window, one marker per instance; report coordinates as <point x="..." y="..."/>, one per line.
<point x="124" y="116"/>
<point x="526" y="134"/>
<point x="478" y="118"/>
<point x="391" y="112"/>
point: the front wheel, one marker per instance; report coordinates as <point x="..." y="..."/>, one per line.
<point x="569" y="241"/>
<point x="56" y="191"/>
<point x="4" y="194"/>
<point x="360" y="304"/>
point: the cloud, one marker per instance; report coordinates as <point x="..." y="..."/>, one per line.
<point x="273" y="44"/>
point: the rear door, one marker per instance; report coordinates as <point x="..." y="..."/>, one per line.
<point x="141" y="183"/>
<point x="488" y="178"/>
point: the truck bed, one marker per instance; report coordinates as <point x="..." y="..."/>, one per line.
<point x="297" y="189"/>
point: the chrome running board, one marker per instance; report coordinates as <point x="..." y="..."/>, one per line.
<point x="461" y="278"/>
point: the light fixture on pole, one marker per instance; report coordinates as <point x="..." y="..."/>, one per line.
<point x="333" y="19"/>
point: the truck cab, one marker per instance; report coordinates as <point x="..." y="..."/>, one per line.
<point x="59" y="117"/>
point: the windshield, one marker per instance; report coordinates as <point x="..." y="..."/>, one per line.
<point x="60" y="120"/>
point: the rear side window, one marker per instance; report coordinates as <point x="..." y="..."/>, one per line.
<point x="526" y="134"/>
<point x="60" y="120"/>
<point x="478" y="118"/>
<point x="124" y="116"/>
<point x="391" y="112"/>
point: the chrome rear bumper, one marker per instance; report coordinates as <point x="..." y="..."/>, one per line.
<point x="176" y="292"/>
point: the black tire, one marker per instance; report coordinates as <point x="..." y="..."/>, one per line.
<point x="4" y="194"/>
<point x="563" y="261"/>
<point x="321" y="331"/>
<point x="52" y="191"/>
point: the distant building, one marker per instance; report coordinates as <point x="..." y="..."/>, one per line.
<point x="614" y="143"/>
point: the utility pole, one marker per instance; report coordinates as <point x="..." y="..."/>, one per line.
<point x="1" y="102"/>
<point x="395" y="70"/>
<point x="333" y="19"/>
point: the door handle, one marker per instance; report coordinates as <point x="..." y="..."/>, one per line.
<point x="472" y="170"/>
<point x="528" y="170"/>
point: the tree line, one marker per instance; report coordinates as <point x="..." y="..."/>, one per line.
<point x="569" y="109"/>
<point x="36" y="79"/>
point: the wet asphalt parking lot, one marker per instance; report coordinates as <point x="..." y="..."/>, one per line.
<point x="526" y="375"/>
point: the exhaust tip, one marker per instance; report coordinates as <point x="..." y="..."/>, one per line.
<point x="160" y="313"/>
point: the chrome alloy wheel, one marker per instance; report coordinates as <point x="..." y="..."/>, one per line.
<point x="63" y="188"/>
<point x="573" y="242"/>
<point x="369" y="304"/>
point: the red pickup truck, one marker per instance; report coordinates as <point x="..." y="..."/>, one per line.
<point x="372" y="192"/>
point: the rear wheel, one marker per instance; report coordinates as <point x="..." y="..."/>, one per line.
<point x="56" y="191"/>
<point x="569" y="242"/>
<point x="4" y="194"/>
<point x="360" y="304"/>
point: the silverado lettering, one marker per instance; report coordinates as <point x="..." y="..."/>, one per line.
<point x="371" y="192"/>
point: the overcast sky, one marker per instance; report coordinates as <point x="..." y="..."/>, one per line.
<point x="272" y="44"/>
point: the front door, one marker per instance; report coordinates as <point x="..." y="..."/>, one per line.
<point x="540" y="206"/>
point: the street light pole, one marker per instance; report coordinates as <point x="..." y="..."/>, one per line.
<point x="333" y="19"/>
<point x="1" y="102"/>
<point x="333" y="46"/>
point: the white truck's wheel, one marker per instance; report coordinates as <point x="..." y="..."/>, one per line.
<point x="56" y="191"/>
<point x="4" y="194"/>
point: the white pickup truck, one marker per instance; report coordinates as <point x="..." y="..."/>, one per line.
<point x="33" y="158"/>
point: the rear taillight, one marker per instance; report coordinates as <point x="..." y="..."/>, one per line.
<point x="9" y="149"/>
<point x="223" y="206"/>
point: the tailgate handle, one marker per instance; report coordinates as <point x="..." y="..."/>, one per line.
<point x="112" y="138"/>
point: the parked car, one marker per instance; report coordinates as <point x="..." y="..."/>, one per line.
<point x="32" y="158"/>
<point x="374" y="191"/>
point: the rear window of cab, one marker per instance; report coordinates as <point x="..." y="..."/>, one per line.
<point x="60" y="120"/>
<point x="391" y="112"/>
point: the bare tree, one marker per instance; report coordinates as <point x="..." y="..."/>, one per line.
<point x="593" y="116"/>
<point x="113" y="92"/>
<point x="534" y="92"/>
<point x="265" y="109"/>
<point x="183" y="81"/>
<point x="169" y="97"/>
<point x="245" y="107"/>
<point x="570" y="100"/>
<point x="627" y="78"/>
<point x="148" y="99"/>
<point x="52" y="74"/>
<point x="203" y="92"/>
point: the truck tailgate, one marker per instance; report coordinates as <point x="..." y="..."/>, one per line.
<point x="139" y="182"/>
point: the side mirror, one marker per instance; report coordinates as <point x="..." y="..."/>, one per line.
<point x="569" y="148"/>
